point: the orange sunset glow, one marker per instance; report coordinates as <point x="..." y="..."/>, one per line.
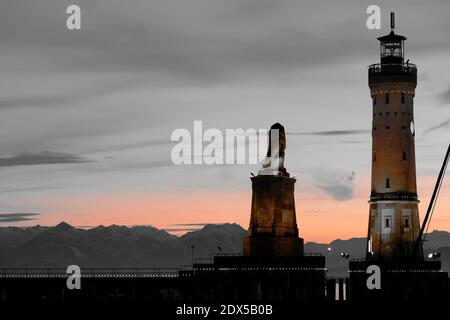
<point x="320" y="218"/>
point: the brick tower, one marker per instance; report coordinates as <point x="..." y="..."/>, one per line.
<point x="393" y="218"/>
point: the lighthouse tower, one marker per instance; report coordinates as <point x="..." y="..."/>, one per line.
<point x="394" y="218"/>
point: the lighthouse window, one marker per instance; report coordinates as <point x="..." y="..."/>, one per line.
<point x="406" y="217"/>
<point x="387" y="98"/>
<point x="387" y="127"/>
<point x="403" y="127"/>
<point x="374" y="156"/>
<point x="403" y="97"/>
<point x="404" y="155"/>
<point x="388" y="183"/>
<point x="374" y="100"/>
<point x="387" y="216"/>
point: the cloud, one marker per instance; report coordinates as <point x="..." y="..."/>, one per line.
<point x="329" y="133"/>
<point x="27" y="189"/>
<point x="16" y="217"/>
<point x="135" y="145"/>
<point x="211" y="41"/>
<point x="43" y="157"/>
<point x="85" y="227"/>
<point x="354" y="142"/>
<point x="338" y="192"/>
<point x="444" y="97"/>
<point x="190" y="226"/>
<point x="71" y="96"/>
<point x="339" y="186"/>
<point x="312" y="211"/>
<point x="181" y="229"/>
<point x="442" y="125"/>
<point x="194" y="224"/>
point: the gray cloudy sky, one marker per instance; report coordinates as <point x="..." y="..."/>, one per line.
<point x="89" y="113"/>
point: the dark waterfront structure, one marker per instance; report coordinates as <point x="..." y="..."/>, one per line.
<point x="394" y="240"/>
<point x="229" y="278"/>
<point x="242" y="278"/>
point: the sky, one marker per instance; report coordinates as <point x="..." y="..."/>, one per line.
<point x="86" y="115"/>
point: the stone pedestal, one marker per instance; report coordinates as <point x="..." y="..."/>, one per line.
<point x="273" y="227"/>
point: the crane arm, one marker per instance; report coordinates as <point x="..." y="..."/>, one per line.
<point x="434" y="196"/>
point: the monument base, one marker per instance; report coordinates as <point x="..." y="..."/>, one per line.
<point x="273" y="224"/>
<point x="272" y="246"/>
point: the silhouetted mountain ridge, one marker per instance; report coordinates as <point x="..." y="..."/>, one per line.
<point x="118" y="246"/>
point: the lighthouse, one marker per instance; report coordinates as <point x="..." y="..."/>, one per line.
<point x="393" y="217"/>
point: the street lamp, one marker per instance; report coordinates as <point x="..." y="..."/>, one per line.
<point x="434" y="255"/>
<point x="345" y="255"/>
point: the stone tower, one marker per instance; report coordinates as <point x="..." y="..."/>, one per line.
<point x="273" y="226"/>
<point x="393" y="218"/>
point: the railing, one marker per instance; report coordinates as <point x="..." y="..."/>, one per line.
<point x="392" y="68"/>
<point x="92" y="273"/>
<point x="392" y="72"/>
<point x="357" y="265"/>
<point x="407" y="196"/>
<point x="210" y="258"/>
<point x="313" y="254"/>
<point x="123" y="272"/>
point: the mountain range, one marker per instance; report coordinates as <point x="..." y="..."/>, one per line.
<point x="148" y="247"/>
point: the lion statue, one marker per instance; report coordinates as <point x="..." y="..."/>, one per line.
<point x="273" y="163"/>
